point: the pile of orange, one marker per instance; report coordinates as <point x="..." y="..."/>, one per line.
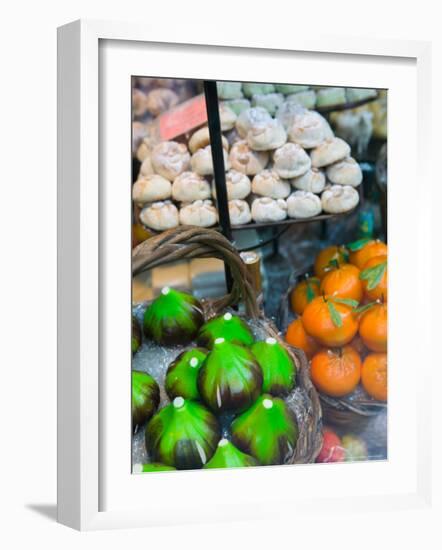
<point x="341" y="322"/>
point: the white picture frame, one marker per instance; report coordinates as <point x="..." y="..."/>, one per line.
<point x="89" y="53"/>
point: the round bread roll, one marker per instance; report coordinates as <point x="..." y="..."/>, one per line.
<point x="239" y="212"/>
<point x="345" y="172"/>
<point x="238" y="105"/>
<point x="245" y="160"/>
<point x="313" y="180"/>
<point x="265" y="209"/>
<point x="290" y="161"/>
<point x="139" y="99"/>
<point x="270" y="102"/>
<point x="146" y="146"/>
<point x="252" y="88"/>
<point x="250" y="118"/>
<point x="329" y="152"/>
<point x="160" y="216"/>
<point x="303" y="204"/>
<point x="229" y="90"/>
<point x="138" y="132"/>
<point x="151" y="188"/>
<point x="200" y="213"/>
<point x="189" y="187"/>
<point x="227" y="117"/>
<point x="146" y="168"/>
<point x="309" y="129"/>
<point x="170" y="159"/>
<point x="287" y="112"/>
<point x="160" y="100"/>
<point x="201" y="138"/>
<point x="339" y="198"/>
<point x="269" y="135"/>
<point x="238" y="185"/>
<point x="268" y="184"/>
<point x="201" y="161"/>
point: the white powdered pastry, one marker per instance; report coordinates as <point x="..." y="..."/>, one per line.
<point x="239" y="212"/>
<point x="270" y="102"/>
<point x="313" y="180"/>
<point x="138" y="132"/>
<point x="307" y="99"/>
<point x="189" y="187"/>
<point x="201" y="138"/>
<point x="265" y="209"/>
<point x="160" y="100"/>
<point x="268" y="184"/>
<point x="245" y="160"/>
<point x="303" y="204"/>
<point x="146" y="168"/>
<point x="345" y="172"/>
<point x="160" y="216"/>
<point x="250" y="118"/>
<point x="238" y="185"/>
<point x="200" y="213"/>
<point x="339" y="198"/>
<point x="290" y="161"/>
<point x="151" y="188"/>
<point x="170" y="159"/>
<point x="238" y="105"/>
<point x="309" y="129"/>
<point x="266" y="136"/>
<point x="329" y="152"/>
<point x="328" y="97"/>
<point x="201" y="161"/>
<point x="227" y="117"/>
<point x="147" y="144"/>
<point x="287" y="112"/>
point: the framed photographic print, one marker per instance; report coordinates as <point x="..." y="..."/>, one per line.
<point x="231" y="277"/>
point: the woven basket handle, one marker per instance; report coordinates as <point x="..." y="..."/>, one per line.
<point x="187" y="242"/>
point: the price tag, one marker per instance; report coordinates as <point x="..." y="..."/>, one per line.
<point x="183" y="118"/>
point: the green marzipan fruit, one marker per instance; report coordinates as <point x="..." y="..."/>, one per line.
<point x="173" y="318"/>
<point x="183" y="434"/>
<point x="154" y="467"/>
<point x="228" y="456"/>
<point x="227" y="326"/>
<point x="277" y="366"/>
<point x="145" y="397"/>
<point x="136" y="335"/>
<point x="268" y="431"/>
<point x="230" y="379"/>
<point x="182" y="374"/>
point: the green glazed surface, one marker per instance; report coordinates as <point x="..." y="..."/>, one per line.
<point x="227" y="326"/>
<point x="267" y="431"/>
<point x="182" y="374"/>
<point x="183" y="434"/>
<point x="145" y="397"/>
<point x="277" y="366"/>
<point x="228" y="456"/>
<point x="173" y="318"/>
<point x="230" y="379"/>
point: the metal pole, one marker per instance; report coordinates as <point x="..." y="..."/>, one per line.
<point x="219" y="172"/>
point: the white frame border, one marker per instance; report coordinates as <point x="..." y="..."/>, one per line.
<point x="79" y="253"/>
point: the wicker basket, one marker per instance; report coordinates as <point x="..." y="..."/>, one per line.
<point x="195" y="242"/>
<point x="353" y="411"/>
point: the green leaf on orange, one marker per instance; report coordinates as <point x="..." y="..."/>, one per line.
<point x="310" y="293"/>
<point x="364" y="308"/>
<point x="334" y="314"/>
<point x="346" y="301"/>
<point x="373" y="275"/>
<point x="357" y="245"/>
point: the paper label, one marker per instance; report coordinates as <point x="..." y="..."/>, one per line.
<point x="183" y="118"/>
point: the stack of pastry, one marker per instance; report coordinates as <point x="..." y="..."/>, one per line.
<point x="281" y="160"/>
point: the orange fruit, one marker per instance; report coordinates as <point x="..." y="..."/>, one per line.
<point x="336" y="372"/>
<point x="378" y="292"/>
<point x="374" y="375"/>
<point x="373" y="327"/>
<point x="298" y="338"/>
<point x="343" y="282"/>
<point x="303" y="293"/>
<point x="329" y="322"/>
<point x="327" y="255"/>
<point x="370" y="250"/>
